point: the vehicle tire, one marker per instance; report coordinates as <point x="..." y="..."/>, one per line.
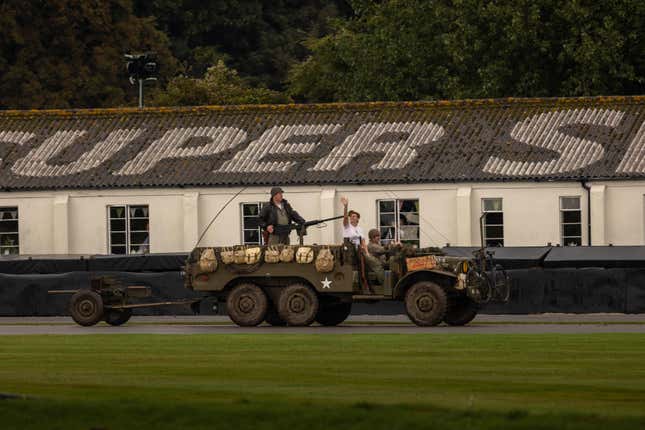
<point x="298" y="305"/>
<point x="247" y="305"/>
<point x="117" y="317"/>
<point x="426" y="303"/>
<point x="273" y="318"/>
<point x="333" y="314"/>
<point x="86" y="307"/>
<point x="461" y="311"/>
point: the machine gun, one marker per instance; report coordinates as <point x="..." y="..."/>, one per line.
<point x="301" y="229"/>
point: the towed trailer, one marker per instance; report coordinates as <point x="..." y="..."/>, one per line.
<point x="108" y="299"/>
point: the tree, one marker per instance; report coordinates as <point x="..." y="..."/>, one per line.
<point x="219" y="86"/>
<point x="69" y="53"/>
<point x="259" y="38"/>
<point x="414" y="49"/>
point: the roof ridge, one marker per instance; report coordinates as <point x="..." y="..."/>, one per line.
<point x="317" y="107"/>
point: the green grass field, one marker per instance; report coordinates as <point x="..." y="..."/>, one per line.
<point x="323" y="381"/>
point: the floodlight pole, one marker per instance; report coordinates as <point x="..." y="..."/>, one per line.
<point x="140" y="93"/>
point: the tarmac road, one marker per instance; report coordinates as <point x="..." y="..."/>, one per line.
<point x="362" y="324"/>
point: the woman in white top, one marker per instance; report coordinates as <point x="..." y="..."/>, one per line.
<point x="351" y="230"/>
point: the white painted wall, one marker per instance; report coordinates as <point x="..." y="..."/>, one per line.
<point x="75" y="222"/>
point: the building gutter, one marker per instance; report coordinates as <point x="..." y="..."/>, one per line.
<point x="585" y="185"/>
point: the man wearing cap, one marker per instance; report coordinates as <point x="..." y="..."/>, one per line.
<point x="278" y="212"/>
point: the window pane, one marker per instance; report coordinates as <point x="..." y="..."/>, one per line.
<point x="494" y="218"/>
<point x="250" y="209"/>
<point x="9" y="250"/>
<point x="570" y="202"/>
<point x="409" y="233"/>
<point x="408" y="218"/>
<point x="139" y="225"/>
<point x="117" y="239"/>
<point x="409" y="205"/>
<point x="117" y="250"/>
<point x="9" y="240"/>
<point x="251" y="236"/>
<point x="386" y="205"/>
<point x="8" y="226"/>
<point x="387" y="220"/>
<point x="492" y="205"/>
<point x="117" y="225"/>
<point x="139" y="211"/>
<point x="251" y="222"/>
<point x="494" y="232"/>
<point x="571" y="230"/>
<point x="138" y="238"/>
<point x="9" y="213"/>
<point x="139" y="249"/>
<point x="571" y="241"/>
<point x="117" y="211"/>
<point x="571" y="216"/>
<point x="387" y="234"/>
<point x="494" y="242"/>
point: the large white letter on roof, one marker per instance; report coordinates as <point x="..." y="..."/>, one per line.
<point x="542" y="131"/>
<point x="634" y="159"/>
<point x="275" y="141"/>
<point x="36" y="162"/>
<point x="18" y="137"/>
<point x="399" y="149"/>
<point x="170" y="146"/>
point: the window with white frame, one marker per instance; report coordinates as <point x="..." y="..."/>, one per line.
<point x="570" y="221"/>
<point x="129" y="229"/>
<point x="493" y="221"/>
<point x="398" y="220"/>
<point x="9" y="236"/>
<point x="251" y="232"/>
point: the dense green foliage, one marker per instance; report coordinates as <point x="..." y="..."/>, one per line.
<point x="68" y="53"/>
<point x="323" y="381"/>
<point x="429" y="49"/>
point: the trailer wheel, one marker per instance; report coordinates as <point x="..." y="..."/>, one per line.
<point x="461" y="311"/>
<point x="86" y="307"/>
<point x="247" y="305"/>
<point x="117" y="317"/>
<point x="273" y="318"/>
<point x="333" y="314"/>
<point x="426" y="303"/>
<point x="298" y="305"/>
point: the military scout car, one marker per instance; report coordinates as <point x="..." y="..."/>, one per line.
<point x="297" y="285"/>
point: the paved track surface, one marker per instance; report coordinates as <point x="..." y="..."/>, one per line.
<point x="363" y="324"/>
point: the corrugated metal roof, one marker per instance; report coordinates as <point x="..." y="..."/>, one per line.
<point x="473" y="140"/>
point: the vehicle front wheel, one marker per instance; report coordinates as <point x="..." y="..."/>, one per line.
<point x="333" y="314"/>
<point x="461" y="311"/>
<point x="298" y="305"/>
<point x="426" y="303"/>
<point x="117" y="317"/>
<point x="247" y="305"/>
<point x="86" y="307"/>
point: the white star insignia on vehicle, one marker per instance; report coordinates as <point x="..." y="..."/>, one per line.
<point x="326" y="283"/>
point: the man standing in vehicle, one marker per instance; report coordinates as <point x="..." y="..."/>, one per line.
<point x="275" y="215"/>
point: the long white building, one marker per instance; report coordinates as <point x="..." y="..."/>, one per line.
<point x="559" y="171"/>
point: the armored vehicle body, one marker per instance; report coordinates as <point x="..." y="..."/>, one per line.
<point x="297" y="285"/>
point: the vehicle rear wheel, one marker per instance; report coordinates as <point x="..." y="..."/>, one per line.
<point x="426" y="303"/>
<point x="333" y="314"/>
<point x="273" y="318"/>
<point x="461" y="311"/>
<point x="298" y="305"/>
<point x="117" y="317"/>
<point x="247" y="305"/>
<point x="86" y="307"/>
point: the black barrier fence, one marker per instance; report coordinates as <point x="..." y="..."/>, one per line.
<point x="534" y="290"/>
<point x="544" y="279"/>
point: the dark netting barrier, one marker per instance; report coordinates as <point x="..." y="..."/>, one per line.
<point x="575" y="280"/>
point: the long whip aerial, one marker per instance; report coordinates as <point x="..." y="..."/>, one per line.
<point x="217" y="214"/>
